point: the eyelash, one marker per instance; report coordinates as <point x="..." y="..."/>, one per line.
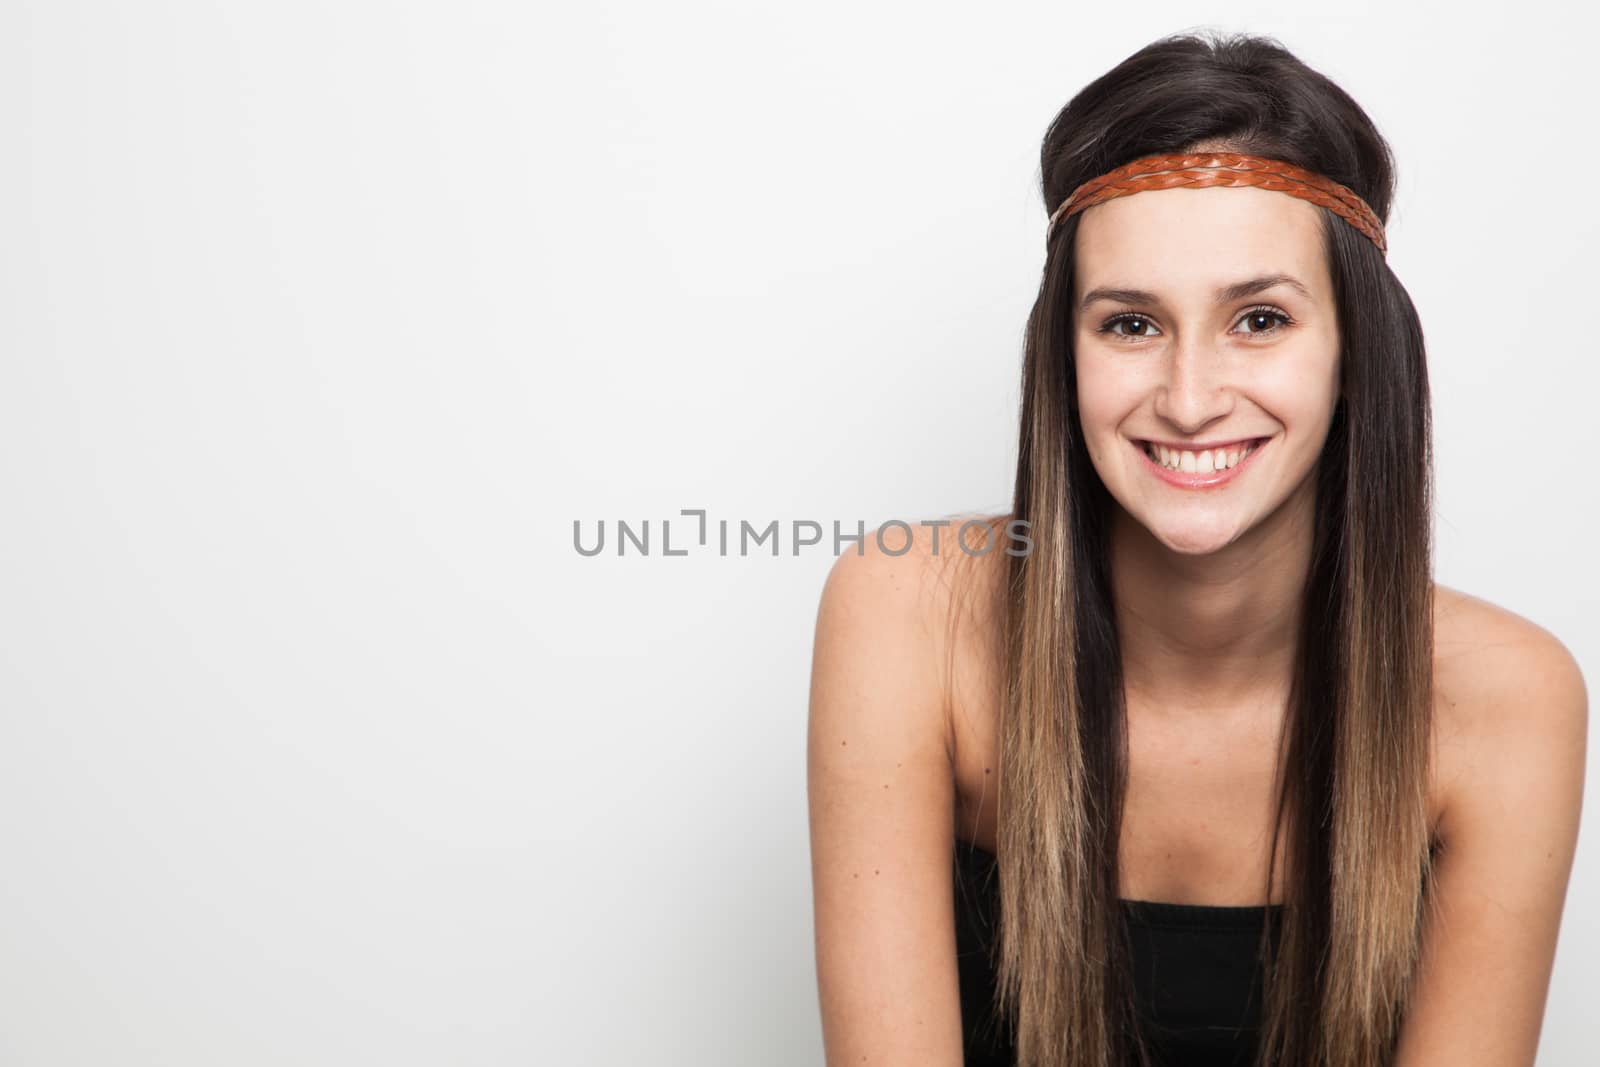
<point x="1109" y="326"/>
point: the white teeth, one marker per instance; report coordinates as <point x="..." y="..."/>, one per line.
<point x="1205" y="462"/>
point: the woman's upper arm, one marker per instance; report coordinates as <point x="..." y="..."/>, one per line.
<point x="880" y="791"/>
<point x="1507" y="840"/>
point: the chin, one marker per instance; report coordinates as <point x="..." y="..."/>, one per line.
<point x="1194" y="548"/>
<point x="1193" y="541"/>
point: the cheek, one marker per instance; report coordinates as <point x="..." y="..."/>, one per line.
<point x="1106" y="400"/>
<point x="1105" y="397"/>
<point x="1299" y="392"/>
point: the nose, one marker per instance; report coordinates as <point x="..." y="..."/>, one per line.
<point x="1195" y="391"/>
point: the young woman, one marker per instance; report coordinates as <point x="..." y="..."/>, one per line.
<point x="1207" y="769"/>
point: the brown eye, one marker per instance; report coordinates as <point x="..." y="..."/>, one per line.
<point x="1269" y="319"/>
<point x="1138" y="325"/>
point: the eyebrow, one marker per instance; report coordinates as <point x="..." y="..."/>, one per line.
<point x="1226" y="295"/>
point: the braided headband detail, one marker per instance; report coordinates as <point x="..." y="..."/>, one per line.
<point x="1204" y="169"/>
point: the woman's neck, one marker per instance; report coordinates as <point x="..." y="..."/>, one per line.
<point x="1212" y="633"/>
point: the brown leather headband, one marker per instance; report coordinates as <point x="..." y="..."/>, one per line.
<point x="1204" y="169"/>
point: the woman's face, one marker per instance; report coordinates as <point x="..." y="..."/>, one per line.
<point x="1190" y="331"/>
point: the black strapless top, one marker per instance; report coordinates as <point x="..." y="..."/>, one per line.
<point x="1196" y="978"/>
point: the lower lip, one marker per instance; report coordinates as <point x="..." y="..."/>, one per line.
<point x="1195" y="479"/>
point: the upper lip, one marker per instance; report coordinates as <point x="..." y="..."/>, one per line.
<point x="1200" y="446"/>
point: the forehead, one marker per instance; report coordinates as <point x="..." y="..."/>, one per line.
<point x="1186" y="240"/>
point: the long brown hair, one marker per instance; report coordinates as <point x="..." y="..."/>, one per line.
<point x="1357" y="731"/>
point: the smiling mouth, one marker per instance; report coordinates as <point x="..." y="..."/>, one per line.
<point x="1202" y="461"/>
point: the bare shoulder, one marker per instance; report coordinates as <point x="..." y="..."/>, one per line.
<point x="881" y="799"/>
<point x="1511" y="696"/>
<point x="1488" y="659"/>
<point x="1512" y="729"/>
<point x="923" y="596"/>
<point x="892" y="576"/>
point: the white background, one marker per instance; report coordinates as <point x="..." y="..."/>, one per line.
<point x="322" y="322"/>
